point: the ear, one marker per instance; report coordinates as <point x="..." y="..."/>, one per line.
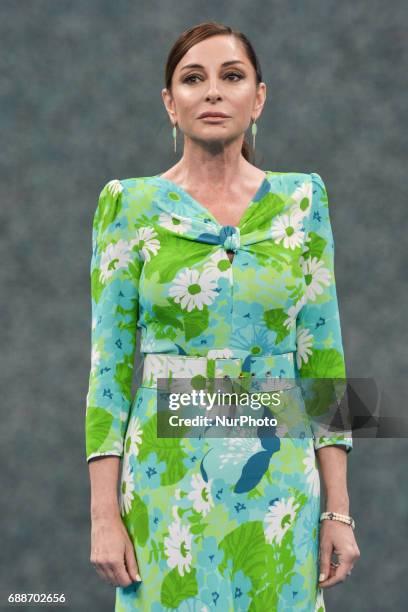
<point x="169" y="104"/>
<point x="260" y="99"/>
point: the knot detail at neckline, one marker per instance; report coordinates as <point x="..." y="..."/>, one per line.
<point x="230" y="237"/>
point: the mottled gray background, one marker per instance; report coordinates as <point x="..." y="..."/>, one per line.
<point x="80" y="105"/>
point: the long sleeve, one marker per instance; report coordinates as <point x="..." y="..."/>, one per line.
<point x="318" y="331"/>
<point x="115" y="272"/>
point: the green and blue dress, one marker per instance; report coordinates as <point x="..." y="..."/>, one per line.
<point x="221" y="523"/>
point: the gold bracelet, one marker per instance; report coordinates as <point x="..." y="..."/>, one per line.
<point x="336" y="516"/>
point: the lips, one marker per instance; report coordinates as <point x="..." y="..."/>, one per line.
<point x="213" y="115"/>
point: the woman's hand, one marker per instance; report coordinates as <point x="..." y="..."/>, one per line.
<point x="112" y="551"/>
<point x="338" y="538"/>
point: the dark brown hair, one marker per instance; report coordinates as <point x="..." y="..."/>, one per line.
<point x="196" y="34"/>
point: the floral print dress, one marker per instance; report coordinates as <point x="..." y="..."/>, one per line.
<point x="222" y="523"/>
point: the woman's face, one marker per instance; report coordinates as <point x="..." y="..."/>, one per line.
<point x="210" y="85"/>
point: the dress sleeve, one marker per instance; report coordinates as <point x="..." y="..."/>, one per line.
<point x="115" y="272"/>
<point x="318" y="330"/>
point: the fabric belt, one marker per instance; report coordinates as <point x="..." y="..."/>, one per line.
<point x="261" y="372"/>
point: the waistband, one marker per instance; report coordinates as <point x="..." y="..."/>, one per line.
<point x="262" y="372"/>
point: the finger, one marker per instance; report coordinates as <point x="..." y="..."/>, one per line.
<point x="105" y="572"/>
<point x="339" y="576"/>
<point x="120" y="574"/>
<point x="343" y="570"/>
<point x="101" y="574"/>
<point x="332" y="571"/>
<point x="131" y="563"/>
<point x="324" y="564"/>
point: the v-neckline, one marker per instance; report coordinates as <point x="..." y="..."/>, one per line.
<point x="207" y="211"/>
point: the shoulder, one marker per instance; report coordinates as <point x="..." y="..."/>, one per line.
<point x="112" y="189"/>
<point x="121" y="202"/>
<point x="115" y="193"/>
<point x="116" y="188"/>
<point x="317" y="181"/>
<point x="315" y="188"/>
<point x="312" y="178"/>
<point x="108" y="220"/>
<point x="139" y="197"/>
<point x="109" y="203"/>
<point x="134" y="191"/>
<point x="134" y="182"/>
<point x="307" y="182"/>
<point x="297" y="180"/>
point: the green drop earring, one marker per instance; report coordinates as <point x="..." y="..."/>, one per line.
<point x="175" y="136"/>
<point x="254" y="130"/>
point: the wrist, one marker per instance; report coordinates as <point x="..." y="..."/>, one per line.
<point x="105" y="510"/>
<point x="338" y="516"/>
<point x="336" y="503"/>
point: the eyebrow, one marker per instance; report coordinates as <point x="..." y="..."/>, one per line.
<point x="200" y="66"/>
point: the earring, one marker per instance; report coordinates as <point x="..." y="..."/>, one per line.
<point x="175" y="136"/>
<point x="254" y="130"/>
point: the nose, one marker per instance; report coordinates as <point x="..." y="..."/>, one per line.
<point x="213" y="91"/>
<point x="212" y="95"/>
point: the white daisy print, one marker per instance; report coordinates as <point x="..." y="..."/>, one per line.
<point x="311" y="471"/>
<point x="316" y="275"/>
<point x="304" y="341"/>
<point x="133" y="437"/>
<point x="126" y="488"/>
<point x="219" y="265"/>
<point x="293" y="312"/>
<point x="178" y="545"/>
<point x="174" y="222"/>
<point x="279" y="519"/>
<point x="146" y="241"/>
<point x="114" y="187"/>
<point x="288" y="229"/>
<point x="114" y="257"/>
<point x="201" y="494"/>
<point x="320" y="606"/>
<point x="191" y="289"/>
<point x="303" y="199"/>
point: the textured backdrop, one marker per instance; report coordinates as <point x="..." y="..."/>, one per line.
<point x="80" y="91"/>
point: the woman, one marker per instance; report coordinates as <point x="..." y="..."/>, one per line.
<point x="228" y="271"/>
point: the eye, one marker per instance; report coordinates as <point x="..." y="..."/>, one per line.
<point x="235" y="74"/>
<point x="189" y="78"/>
